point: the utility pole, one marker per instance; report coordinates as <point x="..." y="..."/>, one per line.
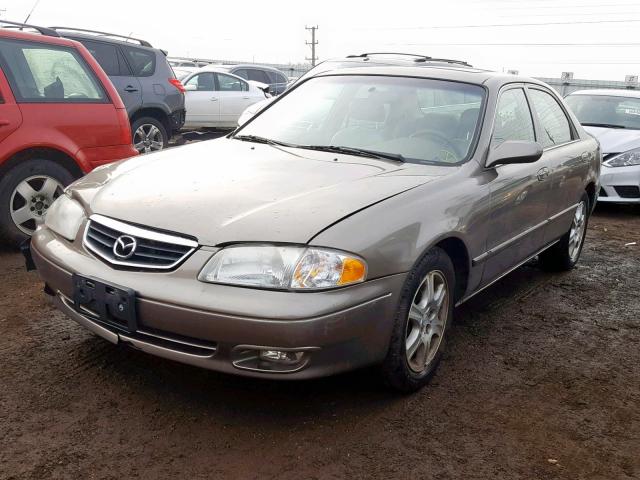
<point x="313" y="44"/>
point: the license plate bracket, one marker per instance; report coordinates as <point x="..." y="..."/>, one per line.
<point x="111" y="304"/>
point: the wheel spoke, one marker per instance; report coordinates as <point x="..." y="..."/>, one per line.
<point x="156" y="145"/>
<point x="414" y="340"/>
<point x="26" y="190"/>
<point x="416" y="312"/>
<point x="49" y="188"/>
<point x="21" y="215"/>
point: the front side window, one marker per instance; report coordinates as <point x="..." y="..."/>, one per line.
<point x="513" y="118"/>
<point x="606" y="110"/>
<point x="203" y="82"/>
<point x="143" y="62"/>
<point x="386" y="114"/>
<point x="553" y="122"/>
<point x="47" y="73"/>
<point x="227" y="83"/>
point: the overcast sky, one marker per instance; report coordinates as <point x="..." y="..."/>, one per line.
<point x="595" y="39"/>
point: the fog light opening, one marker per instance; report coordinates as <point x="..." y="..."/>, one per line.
<point x="271" y="359"/>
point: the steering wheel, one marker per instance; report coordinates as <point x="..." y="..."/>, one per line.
<point x="439" y="138"/>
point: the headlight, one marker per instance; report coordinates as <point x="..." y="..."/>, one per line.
<point x="626" y="159"/>
<point x="283" y="267"/>
<point x="65" y="217"/>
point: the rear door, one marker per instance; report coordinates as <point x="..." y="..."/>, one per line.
<point x="234" y="96"/>
<point x="519" y="193"/>
<point x="202" y="101"/>
<point x="112" y="61"/>
<point x="564" y="156"/>
<point x="10" y="116"/>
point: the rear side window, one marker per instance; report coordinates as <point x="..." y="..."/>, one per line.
<point x="276" y="78"/>
<point x="513" y="118"/>
<point x="242" y="73"/>
<point x="553" y="121"/>
<point x="47" y="73"/>
<point x="258" y="76"/>
<point x="227" y="83"/>
<point x="109" y="58"/>
<point x="142" y="62"/>
<point x="204" y="82"/>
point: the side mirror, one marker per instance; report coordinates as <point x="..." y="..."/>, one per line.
<point x="514" y="151"/>
<point x="191" y="87"/>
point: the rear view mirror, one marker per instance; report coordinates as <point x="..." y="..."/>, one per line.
<point x="514" y="151"/>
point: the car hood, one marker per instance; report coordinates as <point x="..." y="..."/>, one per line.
<point x="228" y="190"/>
<point x="615" y="140"/>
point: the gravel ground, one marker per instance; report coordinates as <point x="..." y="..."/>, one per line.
<point x="541" y="381"/>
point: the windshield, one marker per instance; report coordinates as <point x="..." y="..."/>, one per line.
<point x="605" y="110"/>
<point x="421" y="120"/>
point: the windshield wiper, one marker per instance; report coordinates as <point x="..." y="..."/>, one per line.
<point x="603" y="125"/>
<point x="363" y="152"/>
<point x="258" y="139"/>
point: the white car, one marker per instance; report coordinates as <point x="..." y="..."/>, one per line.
<point x="613" y="117"/>
<point x="215" y="98"/>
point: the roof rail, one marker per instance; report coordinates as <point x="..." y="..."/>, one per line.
<point x="418" y="58"/>
<point x="42" y="30"/>
<point x="144" y="43"/>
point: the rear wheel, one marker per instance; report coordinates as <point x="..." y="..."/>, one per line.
<point x="565" y="254"/>
<point x="422" y="321"/>
<point x="149" y="135"/>
<point x="26" y="193"/>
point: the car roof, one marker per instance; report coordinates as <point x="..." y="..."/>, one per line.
<point x="35" y="37"/>
<point x="212" y="68"/>
<point x="104" y="38"/>
<point x="609" y="92"/>
<point x="452" y="73"/>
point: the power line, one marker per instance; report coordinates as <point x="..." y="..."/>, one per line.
<point x="442" y="27"/>
<point x="473" y="44"/>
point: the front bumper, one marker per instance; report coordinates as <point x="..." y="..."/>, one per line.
<point x="620" y="184"/>
<point x="221" y="327"/>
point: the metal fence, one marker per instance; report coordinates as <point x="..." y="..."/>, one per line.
<point x="565" y="87"/>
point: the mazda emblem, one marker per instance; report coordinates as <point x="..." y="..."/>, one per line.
<point x="125" y="247"/>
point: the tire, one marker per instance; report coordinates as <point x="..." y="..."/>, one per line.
<point x="26" y="192"/>
<point x="149" y="135"/>
<point x="564" y="255"/>
<point x="403" y="370"/>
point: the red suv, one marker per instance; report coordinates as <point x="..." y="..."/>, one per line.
<point x="60" y="117"/>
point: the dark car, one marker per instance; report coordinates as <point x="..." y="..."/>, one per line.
<point x="153" y="96"/>
<point x="271" y="76"/>
<point x="52" y="92"/>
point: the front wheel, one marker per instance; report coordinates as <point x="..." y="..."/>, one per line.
<point x="421" y="324"/>
<point x="566" y="252"/>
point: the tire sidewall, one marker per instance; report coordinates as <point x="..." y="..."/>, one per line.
<point x="395" y="368"/>
<point x="9" y="232"/>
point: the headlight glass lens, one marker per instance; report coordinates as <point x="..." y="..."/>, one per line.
<point x="64" y="217"/>
<point x="283" y="267"/>
<point x="626" y="159"/>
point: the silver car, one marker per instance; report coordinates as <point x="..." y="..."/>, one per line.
<point x="338" y="228"/>
<point x="613" y="117"/>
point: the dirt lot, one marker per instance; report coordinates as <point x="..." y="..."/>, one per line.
<point x="542" y="381"/>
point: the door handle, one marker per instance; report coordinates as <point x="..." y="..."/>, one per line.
<point x="4" y="123"/>
<point x="130" y="88"/>
<point x="543" y="174"/>
<point x="213" y="99"/>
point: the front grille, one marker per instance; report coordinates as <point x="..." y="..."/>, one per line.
<point x="152" y="249"/>
<point x="628" y="191"/>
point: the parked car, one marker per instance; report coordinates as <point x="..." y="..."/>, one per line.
<point x="154" y="97"/>
<point x="336" y="229"/>
<point x="613" y="117"/>
<point x="271" y="76"/>
<point x="215" y="98"/>
<point x="60" y="117"/>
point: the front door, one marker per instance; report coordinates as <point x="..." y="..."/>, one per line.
<point x="519" y="193"/>
<point x="10" y="116"/>
<point x="202" y="101"/>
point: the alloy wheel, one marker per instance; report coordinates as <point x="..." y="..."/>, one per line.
<point x="427" y="321"/>
<point x="576" y="234"/>
<point x="31" y="199"/>
<point x="148" y="138"/>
